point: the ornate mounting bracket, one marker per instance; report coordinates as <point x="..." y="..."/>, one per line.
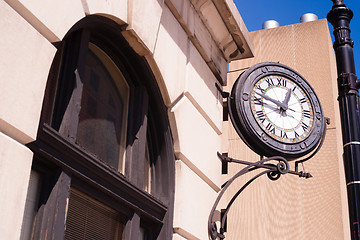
<point x="273" y="171"/>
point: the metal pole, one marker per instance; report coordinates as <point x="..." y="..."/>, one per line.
<point x="340" y="17"/>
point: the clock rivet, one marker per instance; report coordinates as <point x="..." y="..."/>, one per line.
<point x="264" y="137"/>
<point x="245" y="96"/>
<point x="303" y="145"/>
<point x="318" y="115"/>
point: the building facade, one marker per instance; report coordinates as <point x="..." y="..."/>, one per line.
<point x="110" y="119"/>
<point x="110" y="122"/>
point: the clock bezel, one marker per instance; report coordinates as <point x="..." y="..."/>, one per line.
<point x="248" y="128"/>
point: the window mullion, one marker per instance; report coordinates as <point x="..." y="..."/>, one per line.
<point x="50" y="221"/>
<point x="70" y="121"/>
<point x="135" y="162"/>
<point x="132" y="227"/>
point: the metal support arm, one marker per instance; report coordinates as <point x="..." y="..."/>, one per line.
<point x="273" y="172"/>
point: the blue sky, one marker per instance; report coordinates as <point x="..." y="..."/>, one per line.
<point x="255" y="12"/>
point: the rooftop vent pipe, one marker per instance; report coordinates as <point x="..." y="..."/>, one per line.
<point x="308" y="17"/>
<point x="270" y="24"/>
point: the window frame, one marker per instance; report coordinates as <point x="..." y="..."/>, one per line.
<point x="147" y="124"/>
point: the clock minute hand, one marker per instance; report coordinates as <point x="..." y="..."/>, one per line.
<point x="280" y="104"/>
<point x="286" y="100"/>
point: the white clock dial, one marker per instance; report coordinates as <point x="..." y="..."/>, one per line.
<point x="282" y="109"/>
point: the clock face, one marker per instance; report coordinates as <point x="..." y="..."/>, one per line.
<point x="276" y="112"/>
<point x="282" y="109"/>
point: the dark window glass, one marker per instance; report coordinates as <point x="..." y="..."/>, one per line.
<point x="103" y="114"/>
<point x="96" y="111"/>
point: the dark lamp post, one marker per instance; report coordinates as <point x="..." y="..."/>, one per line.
<point x="340" y="17"/>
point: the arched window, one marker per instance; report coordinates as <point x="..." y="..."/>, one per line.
<point x="104" y="149"/>
<point x="92" y="111"/>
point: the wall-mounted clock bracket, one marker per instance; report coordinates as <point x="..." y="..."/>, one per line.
<point x="223" y="93"/>
<point x="273" y="171"/>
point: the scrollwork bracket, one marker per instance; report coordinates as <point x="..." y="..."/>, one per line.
<point x="273" y="171"/>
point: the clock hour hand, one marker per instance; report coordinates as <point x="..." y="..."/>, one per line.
<point x="273" y="108"/>
<point x="280" y="104"/>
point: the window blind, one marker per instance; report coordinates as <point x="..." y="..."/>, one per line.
<point x="89" y="219"/>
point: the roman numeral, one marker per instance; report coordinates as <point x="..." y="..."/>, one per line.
<point x="294" y="89"/>
<point x="269" y="81"/>
<point x="296" y="135"/>
<point x="307" y="113"/>
<point x="273" y="131"/>
<point x="257" y="101"/>
<point x="304" y="126"/>
<point x="303" y="100"/>
<point x="281" y="81"/>
<point x="261" y="89"/>
<point x="271" y="128"/>
<point x="261" y="116"/>
<point x="283" y="134"/>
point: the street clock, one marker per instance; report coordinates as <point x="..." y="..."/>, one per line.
<point x="276" y="112"/>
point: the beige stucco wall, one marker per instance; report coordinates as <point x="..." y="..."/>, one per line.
<point x="293" y="208"/>
<point x="187" y="58"/>
<point x="24" y="63"/>
<point x="15" y="163"/>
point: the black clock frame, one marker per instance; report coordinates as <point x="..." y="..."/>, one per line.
<point x="246" y="125"/>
